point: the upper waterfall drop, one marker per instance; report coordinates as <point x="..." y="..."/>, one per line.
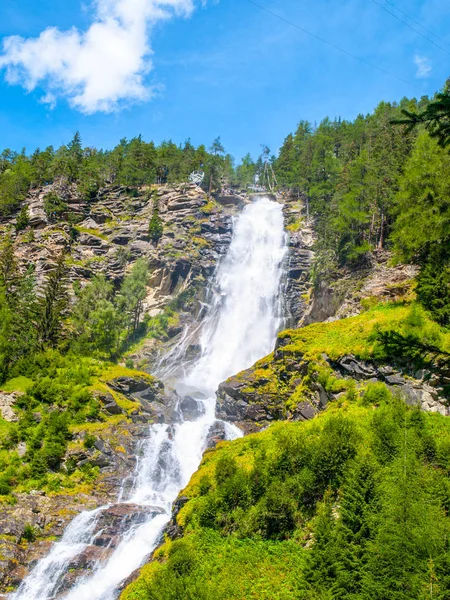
<point x="246" y="310"/>
<point x="239" y="328"/>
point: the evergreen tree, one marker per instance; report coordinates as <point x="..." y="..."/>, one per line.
<point x="54" y="207"/>
<point x="95" y="319"/>
<point x="423" y="208"/>
<point x="41" y="164"/>
<point x="23" y="218"/>
<point x="9" y="271"/>
<point x="133" y="293"/>
<point x="53" y="304"/>
<point x="408" y="537"/>
<point x="156" y="225"/>
<point x="435" y="116"/>
<point x="245" y="172"/>
<point x="215" y="165"/>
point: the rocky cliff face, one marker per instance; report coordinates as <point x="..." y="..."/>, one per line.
<point x="353" y="290"/>
<point x="301" y="240"/>
<point x="112" y="231"/>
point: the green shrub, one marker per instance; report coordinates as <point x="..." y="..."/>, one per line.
<point x="23" y="219"/>
<point x="89" y="440"/>
<point x="5" y="485"/>
<point x="29" y="533"/>
<point x="376" y="394"/>
<point x="156" y="225"/>
<point x="54" y="206"/>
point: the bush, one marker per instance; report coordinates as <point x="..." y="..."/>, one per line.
<point x="156" y="226"/>
<point x="5" y="485"/>
<point x="226" y="468"/>
<point x="276" y="513"/>
<point x="54" y="206"/>
<point x="376" y="394"/>
<point x="23" y="219"/>
<point x="89" y="440"/>
<point x="29" y="533"/>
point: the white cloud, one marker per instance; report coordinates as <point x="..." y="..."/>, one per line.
<point x="98" y="69"/>
<point x="423" y="66"/>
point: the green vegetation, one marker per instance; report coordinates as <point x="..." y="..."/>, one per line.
<point x="381" y="181"/>
<point x="155" y="227"/>
<point x="435" y="116"/>
<point x="131" y="163"/>
<point x="358" y="335"/>
<point x="352" y="504"/>
<point x="54" y="207"/>
<point x="57" y="401"/>
<point x="398" y="334"/>
<point x="23" y="219"/>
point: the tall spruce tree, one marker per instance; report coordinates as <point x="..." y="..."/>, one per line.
<point x="133" y="293"/>
<point x="155" y="226"/>
<point x="53" y="303"/>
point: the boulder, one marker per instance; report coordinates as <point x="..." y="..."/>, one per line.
<point x="216" y="434"/>
<point x="7" y="401"/>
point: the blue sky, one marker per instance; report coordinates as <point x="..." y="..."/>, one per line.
<point x="217" y="68"/>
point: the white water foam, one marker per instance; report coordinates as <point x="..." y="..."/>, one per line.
<point x="240" y="328"/>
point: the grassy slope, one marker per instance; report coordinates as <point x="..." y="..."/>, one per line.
<point x="276" y="377"/>
<point x="237" y="561"/>
<point x="226" y="551"/>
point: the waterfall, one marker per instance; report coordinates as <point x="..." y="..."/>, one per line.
<point x="240" y="327"/>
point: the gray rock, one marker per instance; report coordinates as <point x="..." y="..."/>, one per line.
<point x="355" y="368"/>
<point x="395" y="380"/>
<point x="7" y="401"/>
<point x="216" y="434"/>
<point x="113" y="408"/>
<point x="191" y="408"/>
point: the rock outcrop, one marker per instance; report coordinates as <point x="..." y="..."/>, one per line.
<point x="353" y="290"/>
<point x="252" y="400"/>
<point x="315" y="365"/>
<point x="7" y="401"/>
<point x="297" y="287"/>
<point x="112" y="232"/>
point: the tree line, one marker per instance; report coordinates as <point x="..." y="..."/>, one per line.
<point x="379" y="181"/>
<point x="131" y="163"/>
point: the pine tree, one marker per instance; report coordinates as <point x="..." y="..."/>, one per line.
<point x="9" y="272"/>
<point x="133" y="293"/>
<point x="95" y="319"/>
<point x="156" y="226"/>
<point x="435" y="116"/>
<point x="411" y="531"/>
<point x="215" y="165"/>
<point x="53" y="304"/>
<point x="23" y="219"/>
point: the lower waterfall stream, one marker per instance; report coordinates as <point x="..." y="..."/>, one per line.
<point x="240" y="327"/>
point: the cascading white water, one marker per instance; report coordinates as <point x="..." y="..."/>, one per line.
<point x="239" y="329"/>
